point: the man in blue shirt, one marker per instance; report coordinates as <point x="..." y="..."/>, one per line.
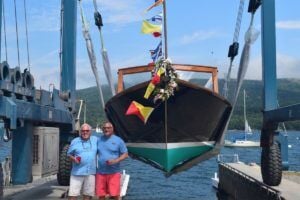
<point x="111" y="151"/>
<point x="82" y="153"/>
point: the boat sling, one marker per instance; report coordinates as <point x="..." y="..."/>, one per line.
<point x="91" y="53"/>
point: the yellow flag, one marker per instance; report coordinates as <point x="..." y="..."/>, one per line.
<point x="149" y="90"/>
<point x="160" y="71"/>
<point x="148" y="28"/>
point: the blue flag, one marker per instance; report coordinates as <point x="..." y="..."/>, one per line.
<point x="157" y="18"/>
<point x="156" y="53"/>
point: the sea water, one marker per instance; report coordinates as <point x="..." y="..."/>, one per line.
<point x="147" y="182"/>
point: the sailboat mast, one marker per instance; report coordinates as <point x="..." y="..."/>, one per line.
<point x="165" y="28"/>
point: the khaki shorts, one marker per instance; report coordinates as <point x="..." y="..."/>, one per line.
<point x="86" y="184"/>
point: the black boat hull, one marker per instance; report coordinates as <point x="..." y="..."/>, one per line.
<point x="193" y="115"/>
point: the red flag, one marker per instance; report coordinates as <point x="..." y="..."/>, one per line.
<point x="139" y="110"/>
<point x="156" y="34"/>
<point x="155" y="79"/>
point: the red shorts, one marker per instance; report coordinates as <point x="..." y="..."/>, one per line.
<point x="108" y="184"/>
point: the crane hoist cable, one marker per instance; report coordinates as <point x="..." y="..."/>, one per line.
<point x="106" y="63"/>
<point x="17" y="34"/>
<point x="234" y="47"/>
<point x="4" y="29"/>
<point x="91" y="53"/>
<point x="26" y="29"/>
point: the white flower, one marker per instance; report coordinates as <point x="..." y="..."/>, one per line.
<point x="168" y="60"/>
<point x="173" y="84"/>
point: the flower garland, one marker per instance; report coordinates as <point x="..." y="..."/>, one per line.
<point x="168" y="80"/>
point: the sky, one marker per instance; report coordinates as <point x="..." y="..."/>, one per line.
<point x="199" y="32"/>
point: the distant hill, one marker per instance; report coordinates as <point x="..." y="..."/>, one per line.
<point x="288" y="93"/>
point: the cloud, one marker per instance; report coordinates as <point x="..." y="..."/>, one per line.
<point x="44" y="16"/>
<point x="295" y="24"/>
<point x="51" y="75"/>
<point x="120" y="12"/>
<point x="254" y="71"/>
<point x="287" y="67"/>
<point x="198" y="36"/>
<point x="117" y="12"/>
<point x="46" y="70"/>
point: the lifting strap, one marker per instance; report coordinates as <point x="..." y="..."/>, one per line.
<point x="106" y="63"/>
<point x="250" y="37"/>
<point x="91" y="53"/>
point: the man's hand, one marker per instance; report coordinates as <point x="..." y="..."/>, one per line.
<point x="111" y="162"/>
<point x="117" y="160"/>
<point x="75" y="159"/>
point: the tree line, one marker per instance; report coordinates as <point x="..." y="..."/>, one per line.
<point x="288" y="91"/>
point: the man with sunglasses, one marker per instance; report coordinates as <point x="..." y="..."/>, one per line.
<point x="82" y="153"/>
<point x="111" y="151"/>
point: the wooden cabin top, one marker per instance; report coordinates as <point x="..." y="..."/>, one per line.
<point x="180" y="67"/>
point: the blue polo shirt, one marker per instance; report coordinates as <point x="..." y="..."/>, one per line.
<point x="87" y="150"/>
<point x="109" y="148"/>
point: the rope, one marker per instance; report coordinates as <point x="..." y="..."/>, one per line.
<point x="238" y="21"/>
<point x="233" y="49"/>
<point x="15" y="5"/>
<point x="27" y="44"/>
<point x="4" y="29"/>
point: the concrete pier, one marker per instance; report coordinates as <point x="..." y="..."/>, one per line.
<point x="44" y="188"/>
<point x="241" y="181"/>
<point x="47" y="188"/>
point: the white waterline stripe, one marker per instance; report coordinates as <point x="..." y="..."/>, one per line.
<point x="170" y="145"/>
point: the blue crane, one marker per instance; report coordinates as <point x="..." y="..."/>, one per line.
<point x="23" y="107"/>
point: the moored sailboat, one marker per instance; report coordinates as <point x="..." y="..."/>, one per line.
<point x="243" y="142"/>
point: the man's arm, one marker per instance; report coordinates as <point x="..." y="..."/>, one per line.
<point x="117" y="160"/>
<point x="70" y="153"/>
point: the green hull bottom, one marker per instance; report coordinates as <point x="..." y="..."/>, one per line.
<point x="169" y="158"/>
